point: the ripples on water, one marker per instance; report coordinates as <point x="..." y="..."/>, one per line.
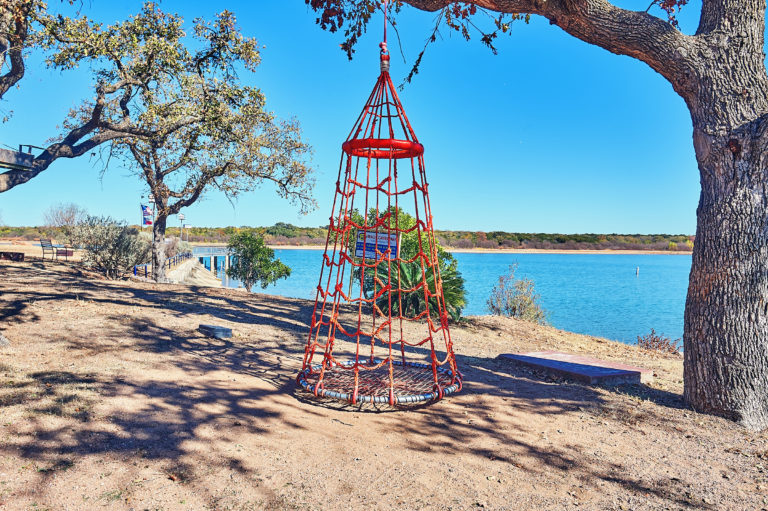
<point x="595" y="294"/>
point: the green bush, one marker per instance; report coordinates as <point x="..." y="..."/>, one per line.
<point x="110" y="247"/>
<point x="516" y="298"/>
<point x="410" y="277"/>
<point x="254" y="262"/>
<point x="410" y="296"/>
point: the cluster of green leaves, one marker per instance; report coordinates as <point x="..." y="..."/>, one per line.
<point x="516" y="298"/>
<point x="353" y="17"/>
<point x="418" y="266"/>
<point x="191" y="124"/>
<point x="253" y="262"/>
<point x="194" y="124"/>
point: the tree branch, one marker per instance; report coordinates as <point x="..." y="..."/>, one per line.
<point x="13" y="44"/>
<point x="633" y="33"/>
<point x="199" y="187"/>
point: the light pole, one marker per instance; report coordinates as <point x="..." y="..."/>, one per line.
<point x="181" y="221"/>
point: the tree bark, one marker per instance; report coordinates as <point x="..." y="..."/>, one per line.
<point x="726" y="314"/>
<point x="158" y="247"/>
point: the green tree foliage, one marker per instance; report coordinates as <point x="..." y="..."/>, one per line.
<point x="253" y="262"/>
<point x="67" y="41"/>
<point x="110" y="247"/>
<point x="197" y="127"/>
<point x="516" y="298"/>
<point x="411" y="278"/>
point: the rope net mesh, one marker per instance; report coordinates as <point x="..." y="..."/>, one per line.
<point x="379" y="327"/>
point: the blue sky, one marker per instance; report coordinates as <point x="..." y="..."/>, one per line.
<point x="550" y="135"/>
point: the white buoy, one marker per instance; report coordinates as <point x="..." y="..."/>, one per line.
<point x="637" y="271"/>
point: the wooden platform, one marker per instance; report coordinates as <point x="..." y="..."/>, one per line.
<point x="585" y="369"/>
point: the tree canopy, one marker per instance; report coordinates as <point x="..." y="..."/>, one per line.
<point x="253" y="262"/>
<point x="197" y="126"/>
<point x="28" y="24"/>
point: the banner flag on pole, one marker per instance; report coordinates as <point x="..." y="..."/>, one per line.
<point x="146" y="214"/>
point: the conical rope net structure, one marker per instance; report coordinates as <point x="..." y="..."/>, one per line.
<point x="379" y="328"/>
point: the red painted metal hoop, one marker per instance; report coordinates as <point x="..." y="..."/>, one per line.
<point x="386" y="148"/>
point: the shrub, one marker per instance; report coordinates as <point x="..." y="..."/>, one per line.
<point x="659" y="342"/>
<point x="408" y="290"/>
<point x="408" y="285"/>
<point x="111" y="247"/>
<point x="174" y="246"/>
<point x="516" y="298"/>
<point x="254" y="262"/>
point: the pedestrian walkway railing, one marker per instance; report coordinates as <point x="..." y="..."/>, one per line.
<point x="145" y="270"/>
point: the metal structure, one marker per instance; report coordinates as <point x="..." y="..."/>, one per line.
<point x="17" y="160"/>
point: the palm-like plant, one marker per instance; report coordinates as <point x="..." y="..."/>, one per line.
<point x="409" y="297"/>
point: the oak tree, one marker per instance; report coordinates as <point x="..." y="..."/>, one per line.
<point x="199" y="127"/>
<point x="720" y="73"/>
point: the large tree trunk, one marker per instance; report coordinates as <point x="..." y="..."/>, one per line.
<point x="726" y="314"/>
<point x="158" y="248"/>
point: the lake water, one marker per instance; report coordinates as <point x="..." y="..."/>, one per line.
<point x="595" y="294"/>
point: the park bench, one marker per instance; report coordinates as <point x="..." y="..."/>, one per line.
<point x="55" y="251"/>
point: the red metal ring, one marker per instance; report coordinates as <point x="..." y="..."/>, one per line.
<point x="385" y="148"/>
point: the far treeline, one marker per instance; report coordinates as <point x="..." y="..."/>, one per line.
<point x="286" y="234"/>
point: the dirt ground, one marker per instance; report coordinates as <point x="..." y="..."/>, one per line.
<point x="110" y="399"/>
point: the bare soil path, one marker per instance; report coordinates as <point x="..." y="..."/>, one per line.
<point x="110" y="399"/>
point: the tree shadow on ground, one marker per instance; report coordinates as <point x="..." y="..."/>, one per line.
<point x="175" y="412"/>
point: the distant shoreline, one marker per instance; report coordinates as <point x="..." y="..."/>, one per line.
<point x="515" y="250"/>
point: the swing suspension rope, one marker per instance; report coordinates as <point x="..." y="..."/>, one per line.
<point x="381" y="137"/>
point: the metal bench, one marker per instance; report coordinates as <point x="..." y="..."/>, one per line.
<point x="54" y="250"/>
<point x="47" y="247"/>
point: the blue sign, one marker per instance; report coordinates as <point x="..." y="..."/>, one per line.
<point x="374" y="244"/>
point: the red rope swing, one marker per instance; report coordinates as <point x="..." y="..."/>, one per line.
<point x="382" y="360"/>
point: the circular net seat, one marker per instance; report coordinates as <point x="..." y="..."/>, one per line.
<point x="379" y="327"/>
<point x="413" y="383"/>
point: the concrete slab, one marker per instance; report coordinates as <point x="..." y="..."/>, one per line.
<point x="217" y="332"/>
<point x="586" y="369"/>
